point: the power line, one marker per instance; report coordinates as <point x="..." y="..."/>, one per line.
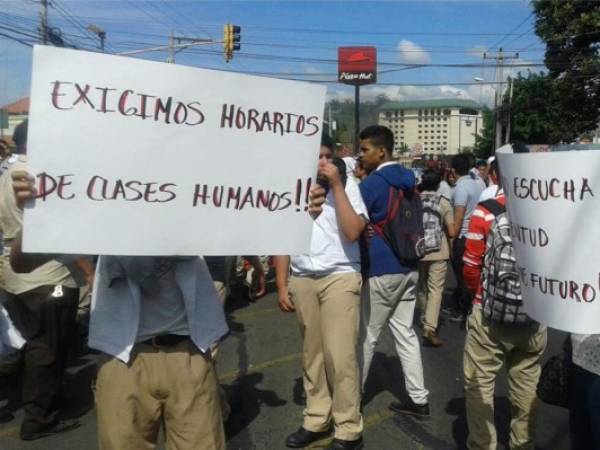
<point x="186" y="19"/>
<point x="519" y="36"/>
<point x="496" y="44"/>
<point x="20" y="41"/>
<point x="73" y="20"/>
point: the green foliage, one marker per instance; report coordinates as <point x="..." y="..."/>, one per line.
<point x="484" y="142"/>
<point x="404" y="149"/>
<point x="343" y="112"/>
<point x="571" y="31"/>
<point x="536" y="114"/>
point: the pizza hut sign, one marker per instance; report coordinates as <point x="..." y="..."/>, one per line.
<point x="357" y="65"/>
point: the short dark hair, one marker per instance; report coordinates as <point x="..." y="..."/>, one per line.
<point x="20" y="137"/>
<point x="494" y="166"/>
<point x="326" y="141"/>
<point x="481" y="163"/>
<point x="461" y="164"/>
<point x="430" y="180"/>
<point x="379" y="136"/>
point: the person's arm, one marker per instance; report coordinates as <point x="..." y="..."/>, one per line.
<point x="449" y="223"/>
<point x="25" y="262"/>
<point x="475" y="249"/>
<point x="258" y="276"/>
<point x="24" y="190"/>
<point x="351" y="223"/>
<point x="282" y="271"/>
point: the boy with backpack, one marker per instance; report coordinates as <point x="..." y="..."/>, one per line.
<point x="438" y="224"/>
<point x="499" y="331"/>
<point x="389" y="295"/>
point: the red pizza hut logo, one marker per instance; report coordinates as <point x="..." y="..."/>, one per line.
<point x="357" y="65"/>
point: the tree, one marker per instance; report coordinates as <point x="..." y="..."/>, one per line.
<point x="535" y="112"/>
<point x="343" y="113"/>
<point x="484" y="142"/>
<point x="571" y="31"/>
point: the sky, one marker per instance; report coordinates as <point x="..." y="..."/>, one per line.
<point x="297" y="39"/>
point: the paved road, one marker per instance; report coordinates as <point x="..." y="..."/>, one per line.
<point x="260" y="363"/>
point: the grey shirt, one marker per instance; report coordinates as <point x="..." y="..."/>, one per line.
<point x="162" y="307"/>
<point x="466" y="193"/>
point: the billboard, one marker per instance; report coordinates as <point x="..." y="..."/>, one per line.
<point x="357" y="65"/>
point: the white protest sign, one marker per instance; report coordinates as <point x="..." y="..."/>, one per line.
<point x="144" y="158"/>
<point x="553" y="201"/>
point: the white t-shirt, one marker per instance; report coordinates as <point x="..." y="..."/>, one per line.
<point x="330" y="251"/>
<point x="445" y="190"/>
<point x="488" y="193"/>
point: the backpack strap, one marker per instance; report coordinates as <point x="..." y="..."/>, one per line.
<point x="395" y="198"/>
<point x="493" y="206"/>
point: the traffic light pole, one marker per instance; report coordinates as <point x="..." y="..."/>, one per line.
<point x="231" y="43"/>
<point x="168" y="47"/>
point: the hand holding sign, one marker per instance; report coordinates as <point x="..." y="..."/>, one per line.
<point x="23" y="185"/>
<point x="317" y="198"/>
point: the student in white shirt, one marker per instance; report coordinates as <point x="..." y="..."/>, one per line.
<point x="324" y="290"/>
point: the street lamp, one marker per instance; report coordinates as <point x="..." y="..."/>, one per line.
<point x="98" y="32"/>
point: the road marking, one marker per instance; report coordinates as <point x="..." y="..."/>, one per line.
<point x="232" y="375"/>
<point x="369" y="422"/>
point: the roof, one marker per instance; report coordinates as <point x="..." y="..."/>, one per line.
<point x="18" y="107"/>
<point x="436" y="103"/>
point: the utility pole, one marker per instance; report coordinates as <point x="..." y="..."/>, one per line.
<point x="510" y="96"/>
<point x="171" y="57"/>
<point x="500" y="57"/>
<point x="329" y="120"/>
<point x="44" y="22"/>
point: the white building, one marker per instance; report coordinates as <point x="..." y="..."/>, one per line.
<point x="15" y="113"/>
<point x="433" y="127"/>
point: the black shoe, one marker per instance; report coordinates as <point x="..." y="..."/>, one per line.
<point x="409" y="407"/>
<point x="58" y="427"/>
<point x="339" y="444"/>
<point x="303" y="437"/>
<point x="457" y="317"/>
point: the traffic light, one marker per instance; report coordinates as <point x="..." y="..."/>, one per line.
<point x="231" y="40"/>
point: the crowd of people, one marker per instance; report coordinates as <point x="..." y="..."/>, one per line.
<point x="157" y="321"/>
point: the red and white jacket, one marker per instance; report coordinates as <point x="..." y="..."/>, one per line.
<point x="479" y="228"/>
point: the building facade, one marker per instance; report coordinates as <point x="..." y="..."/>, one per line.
<point x="432" y="127"/>
<point x="14" y="114"/>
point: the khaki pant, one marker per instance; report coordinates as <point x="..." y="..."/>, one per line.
<point x="221" y="289"/>
<point x="488" y="347"/>
<point x="432" y="278"/>
<point x="175" y="386"/>
<point x="328" y="312"/>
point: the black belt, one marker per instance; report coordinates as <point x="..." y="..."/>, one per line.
<point x="165" y="340"/>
